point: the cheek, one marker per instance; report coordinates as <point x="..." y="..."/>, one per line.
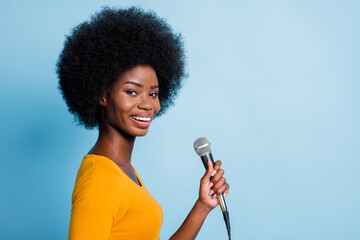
<point x="118" y="110"/>
<point x="124" y="105"/>
<point x="157" y="106"/>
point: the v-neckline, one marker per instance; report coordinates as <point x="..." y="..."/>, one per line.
<point x="140" y="185"/>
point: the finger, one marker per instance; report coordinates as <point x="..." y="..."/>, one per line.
<point x="217" y="176"/>
<point x="211" y="192"/>
<point x="216" y="168"/>
<point x="208" y="172"/>
<point x="227" y="188"/>
<point x="226" y="192"/>
<point x="220" y="186"/>
<point x="217" y="165"/>
<point x="221" y="190"/>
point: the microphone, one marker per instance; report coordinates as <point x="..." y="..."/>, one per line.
<point x="202" y="147"/>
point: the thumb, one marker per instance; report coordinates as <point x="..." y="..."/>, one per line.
<point x="209" y="170"/>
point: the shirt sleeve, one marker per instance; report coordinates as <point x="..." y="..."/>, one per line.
<point x="99" y="199"/>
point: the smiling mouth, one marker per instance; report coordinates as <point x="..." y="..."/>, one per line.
<point x="141" y="119"/>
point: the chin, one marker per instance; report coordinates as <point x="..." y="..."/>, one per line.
<point x="139" y="132"/>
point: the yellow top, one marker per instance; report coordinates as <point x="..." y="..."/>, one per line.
<point x="107" y="204"/>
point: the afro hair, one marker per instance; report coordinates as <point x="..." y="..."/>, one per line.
<point x="111" y="42"/>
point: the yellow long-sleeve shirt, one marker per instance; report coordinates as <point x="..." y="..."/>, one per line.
<point x="107" y="204"/>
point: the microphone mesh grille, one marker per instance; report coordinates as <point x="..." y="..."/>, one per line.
<point x="202" y="146"/>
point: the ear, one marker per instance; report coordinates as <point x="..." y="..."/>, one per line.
<point x="103" y="100"/>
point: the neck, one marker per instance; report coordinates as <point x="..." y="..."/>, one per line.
<point x="114" y="144"/>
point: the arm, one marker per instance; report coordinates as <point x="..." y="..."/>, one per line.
<point x="209" y="190"/>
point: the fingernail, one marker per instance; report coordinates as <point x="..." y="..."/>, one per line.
<point x="214" y="196"/>
<point x="213" y="173"/>
<point x="211" y="192"/>
<point x="210" y="185"/>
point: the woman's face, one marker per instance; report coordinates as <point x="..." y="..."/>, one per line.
<point x="133" y="101"/>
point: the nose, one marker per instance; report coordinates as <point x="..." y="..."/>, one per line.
<point x="145" y="103"/>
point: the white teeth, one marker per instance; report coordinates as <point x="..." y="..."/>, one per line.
<point x="143" y="119"/>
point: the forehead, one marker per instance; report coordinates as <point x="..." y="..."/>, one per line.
<point x="141" y="74"/>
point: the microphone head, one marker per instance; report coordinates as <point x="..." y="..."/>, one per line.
<point x="202" y="146"/>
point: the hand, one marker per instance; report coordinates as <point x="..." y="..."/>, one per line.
<point x="211" y="189"/>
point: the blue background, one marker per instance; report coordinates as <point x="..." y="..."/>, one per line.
<point x="273" y="84"/>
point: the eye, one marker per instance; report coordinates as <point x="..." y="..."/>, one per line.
<point x="154" y="94"/>
<point x="131" y="92"/>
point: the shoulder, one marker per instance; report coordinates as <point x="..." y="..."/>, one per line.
<point x="99" y="199"/>
<point x="99" y="179"/>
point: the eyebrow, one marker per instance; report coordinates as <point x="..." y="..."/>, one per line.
<point x="140" y="85"/>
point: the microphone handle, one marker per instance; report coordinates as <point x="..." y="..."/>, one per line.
<point x="205" y="158"/>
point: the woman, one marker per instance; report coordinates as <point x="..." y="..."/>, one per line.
<point x="117" y="72"/>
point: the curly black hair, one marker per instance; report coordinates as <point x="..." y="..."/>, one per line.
<point x="111" y="42"/>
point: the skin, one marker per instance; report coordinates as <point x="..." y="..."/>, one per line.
<point x="135" y="93"/>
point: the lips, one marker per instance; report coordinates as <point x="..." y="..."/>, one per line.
<point x="142" y="120"/>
